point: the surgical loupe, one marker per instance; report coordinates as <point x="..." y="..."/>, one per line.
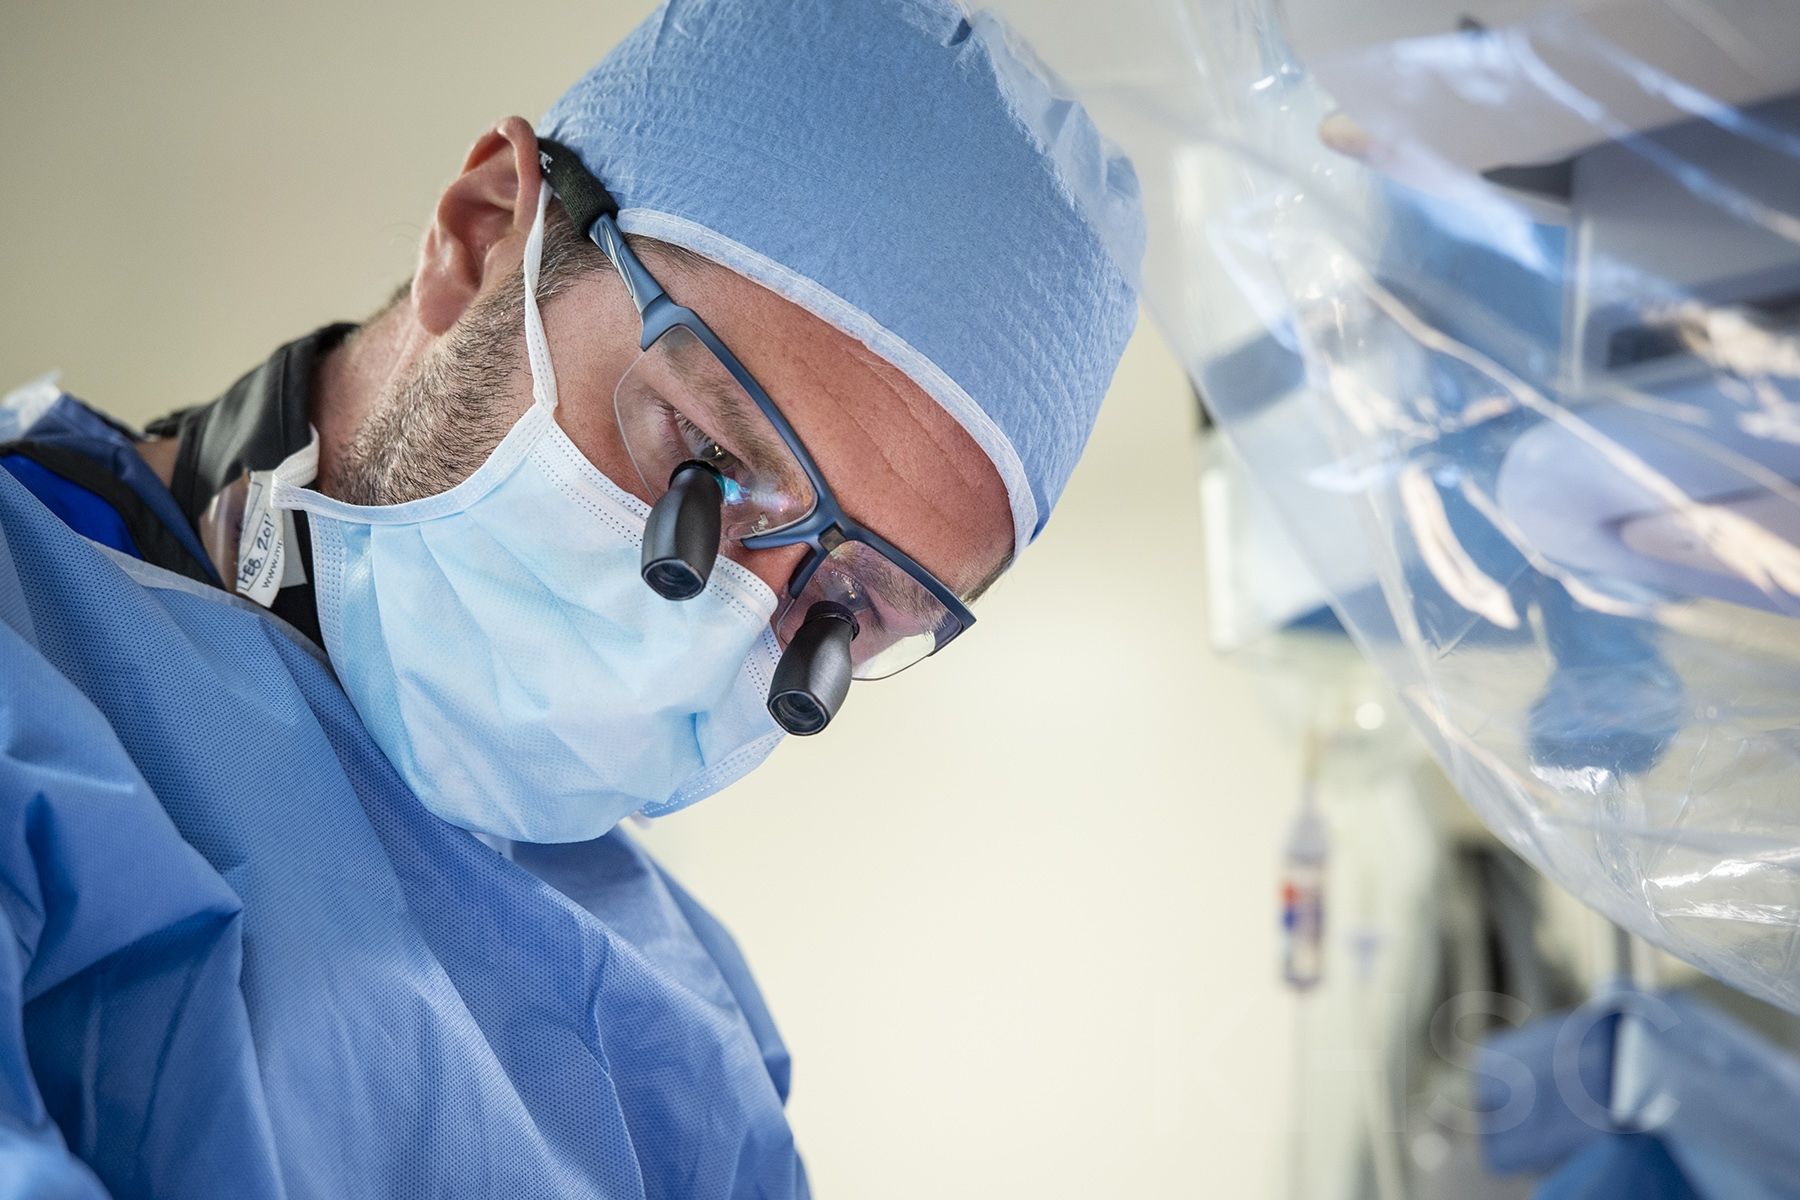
<point x="681" y="538"/>
<point x="681" y="546"/>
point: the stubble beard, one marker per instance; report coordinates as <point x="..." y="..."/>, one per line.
<point x="433" y="428"/>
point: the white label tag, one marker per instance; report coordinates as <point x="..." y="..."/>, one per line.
<point x="265" y="565"/>
<point x="262" y="544"/>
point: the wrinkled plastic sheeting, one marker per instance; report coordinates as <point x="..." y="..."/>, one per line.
<point x="1499" y="310"/>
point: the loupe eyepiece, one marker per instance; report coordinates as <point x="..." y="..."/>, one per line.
<point x="681" y="538"/>
<point x="813" y="676"/>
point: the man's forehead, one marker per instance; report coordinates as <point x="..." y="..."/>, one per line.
<point x="897" y="461"/>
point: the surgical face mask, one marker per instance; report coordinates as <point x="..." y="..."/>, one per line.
<point x="503" y="651"/>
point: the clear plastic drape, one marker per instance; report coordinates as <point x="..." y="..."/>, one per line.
<point x="1498" y="305"/>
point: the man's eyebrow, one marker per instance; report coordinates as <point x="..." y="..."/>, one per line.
<point x="742" y="432"/>
<point x="988" y="580"/>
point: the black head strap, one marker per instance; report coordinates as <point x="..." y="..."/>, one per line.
<point x="583" y="197"/>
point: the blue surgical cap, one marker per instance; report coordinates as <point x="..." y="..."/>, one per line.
<point x="911" y="176"/>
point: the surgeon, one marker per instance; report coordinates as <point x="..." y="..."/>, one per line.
<point x="735" y="380"/>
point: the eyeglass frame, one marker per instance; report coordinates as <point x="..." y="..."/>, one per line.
<point x="826" y="526"/>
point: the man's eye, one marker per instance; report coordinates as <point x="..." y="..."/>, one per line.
<point x="700" y="444"/>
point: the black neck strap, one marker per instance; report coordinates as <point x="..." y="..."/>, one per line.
<point x="583" y="197"/>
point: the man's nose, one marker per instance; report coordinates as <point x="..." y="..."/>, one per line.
<point x="775" y="566"/>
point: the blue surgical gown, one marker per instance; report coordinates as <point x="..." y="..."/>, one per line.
<point x="244" y="961"/>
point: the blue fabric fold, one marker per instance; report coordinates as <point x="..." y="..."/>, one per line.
<point x="244" y="961"/>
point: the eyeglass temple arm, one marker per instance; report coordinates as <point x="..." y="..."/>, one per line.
<point x="643" y="287"/>
<point x="592" y="209"/>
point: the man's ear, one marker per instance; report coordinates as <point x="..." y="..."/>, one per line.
<point x="470" y="237"/>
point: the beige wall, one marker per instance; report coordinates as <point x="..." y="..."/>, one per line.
<point x="1015" y="911"/>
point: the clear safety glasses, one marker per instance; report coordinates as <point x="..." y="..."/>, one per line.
<point x="686" y="399"/>
<point x="687" y="403"/>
